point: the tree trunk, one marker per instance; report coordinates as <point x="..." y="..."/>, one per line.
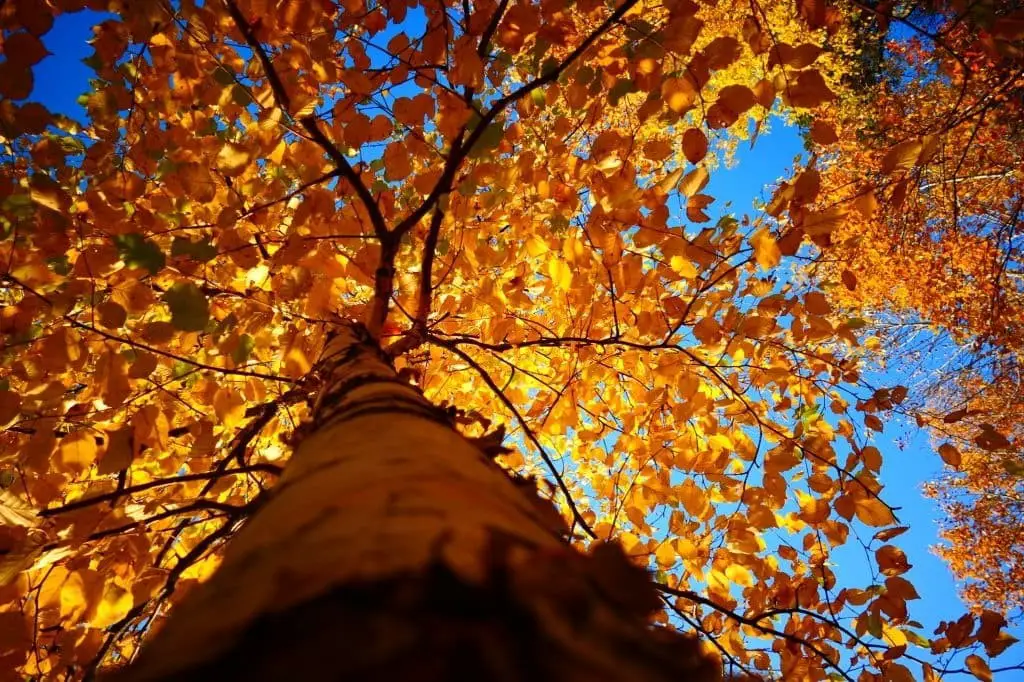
<point x="393" y="548"/>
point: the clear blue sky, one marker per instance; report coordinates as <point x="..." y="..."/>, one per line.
<point x="909" y="459"/>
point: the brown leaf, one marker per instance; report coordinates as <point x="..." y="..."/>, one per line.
<point x="695" y="145"/>
<point x="950" y="455"/>
<point x="978" y="667"/>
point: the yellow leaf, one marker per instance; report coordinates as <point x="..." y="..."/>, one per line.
<point x="536" y="246"/>
<point x="112" y="378"/>
<point x="72" y="596"/>
<point x="116" y="602"/>
<point x="665" y="555"/>
<point x="296" y="364"/>
<point x="766" y="249"/>
<point x="902" y="156"/>
<point x="740" y="575"/>
<point x="668" y="183"/>
<point x="693" y="498"/>
<point x="683" y="266"/>
<point x="678" y="93"/>
<point x="77" y="451"/>
<point x="560" y="273"/>
<point x="573" y="250"/>
<point x="893" y="636"/>
<point x="233" y="159"/>
<point x="229" y="406"/>
<point x="79" y="594"/>
<point x="824" y="222"/>
<point x="149" y="430"/>
<point x="694" y="181"/>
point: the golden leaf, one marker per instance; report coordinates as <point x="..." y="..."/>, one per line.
<point x="766" y="249"/>
<point x="114" y="605"/>
<point x="873" y="512"/>
<point x="560" y="273"/>
<point x="694" y="181"/>
<point x="77" y="451"/>
<point x="233" y="159"/>
<point x="229" y="406"/>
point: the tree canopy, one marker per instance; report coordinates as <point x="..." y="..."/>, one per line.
<point x="512" y="196"/>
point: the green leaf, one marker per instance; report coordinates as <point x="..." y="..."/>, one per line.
<point x="69" y="144"/>
<point x="488" y="140"/>
<point x="916" y="638"/>
<point x="875" y="624"/>
<point x="190" y="311"/>
<point x="94" y="61"/>
<point x="1013" y="467"/>
<point x="240" y="96"/>
<point x="223" y="76"/>
<point x="139" y="252"/>
<point x="224" y="326"/>
<point x="202" y="250"/>
<point x="59" y="264"/>
<point x="244" y="349"/>
<point x="622" y="87"/>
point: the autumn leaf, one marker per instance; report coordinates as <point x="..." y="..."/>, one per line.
<point x="695" y="145"/>
<point x="77" y="451"/>
<point x="560" y="273"/>
<point x="290" y="263"/>
<point x="138" y="252"/>
<point x="873" y="512"/>
<point x="190" y="311"/>
<point x="694" y="181"/>
<point x="766" y="249"/>
<point x="950" y="455"/>
<point x="233" y="159"/>
<point x="978" y="667"/>
<point x="902" y="157"/>
<point x="112" y="607"/>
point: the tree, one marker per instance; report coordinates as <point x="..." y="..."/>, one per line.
<point x="376" y="242"/>
<point x="930" y="253"/>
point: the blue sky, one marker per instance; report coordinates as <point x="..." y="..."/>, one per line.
<point x="909" y="458"/>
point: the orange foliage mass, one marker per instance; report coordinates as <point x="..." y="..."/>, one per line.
<point x="498" y="191"/>
<point x="929" y="164"/>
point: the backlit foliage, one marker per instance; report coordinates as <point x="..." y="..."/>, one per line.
<point x="928" y="176"/>
<point x="512" y="194"/>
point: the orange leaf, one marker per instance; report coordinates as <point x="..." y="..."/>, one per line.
<point x="873" y="512"/>
<point x="950" y="455"/>
<point x="978" y="667"/>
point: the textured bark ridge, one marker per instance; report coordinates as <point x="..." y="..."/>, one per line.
<point x="394" y="549"/>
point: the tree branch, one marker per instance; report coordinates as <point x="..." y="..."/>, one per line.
<point x="131" y="490"/>
<point x="576" y="515"/>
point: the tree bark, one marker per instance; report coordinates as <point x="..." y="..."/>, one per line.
<point x="393" y="548"/>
